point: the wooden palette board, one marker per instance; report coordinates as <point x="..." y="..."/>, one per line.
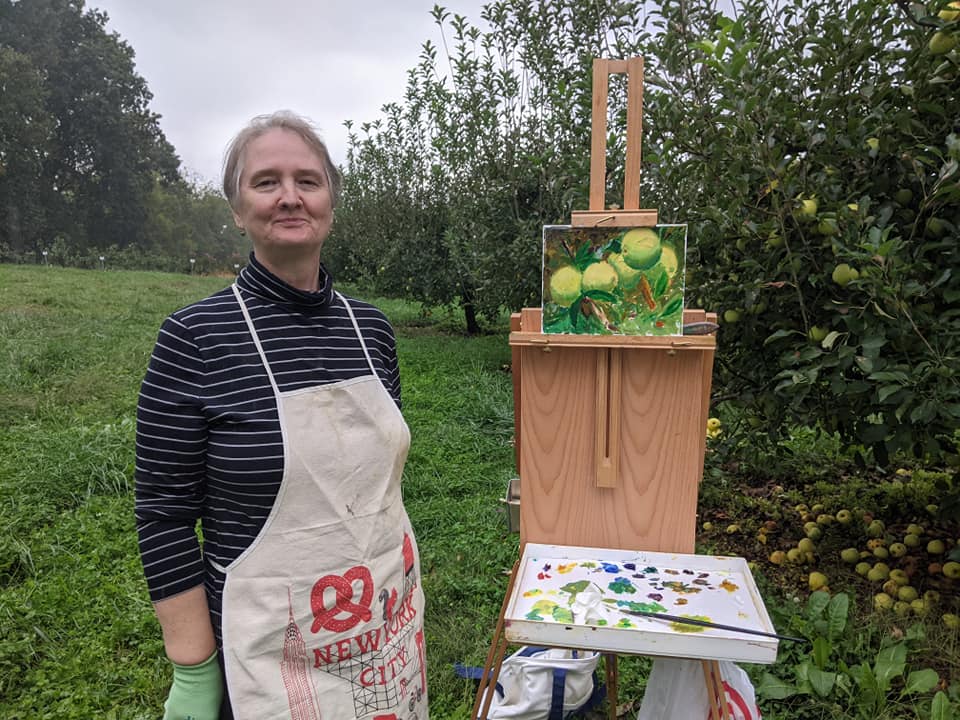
<point x="572" y="596"/>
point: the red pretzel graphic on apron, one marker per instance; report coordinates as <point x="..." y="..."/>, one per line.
<point x="326" y="618"/>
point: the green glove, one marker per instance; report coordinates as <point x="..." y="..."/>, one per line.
<point x="196" y="691"/>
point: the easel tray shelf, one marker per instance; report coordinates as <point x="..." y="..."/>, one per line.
<point x="570" y="596"/>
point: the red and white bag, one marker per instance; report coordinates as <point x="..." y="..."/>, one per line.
<point x="677" y="688"/>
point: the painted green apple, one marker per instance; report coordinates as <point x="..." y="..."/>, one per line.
<point x="640" y="248"/>
<point x="565" y="285"/>
<point x="600" y="276"/>
<point x="629" y="278"/>
<point x="668" y="259"/>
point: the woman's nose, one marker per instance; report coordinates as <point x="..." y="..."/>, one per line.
<point x="289" y="197"/>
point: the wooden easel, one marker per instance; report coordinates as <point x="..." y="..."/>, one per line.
<point x="611" y="461"/>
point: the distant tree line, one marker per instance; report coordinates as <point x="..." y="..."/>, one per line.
<point x="85" y="170"/>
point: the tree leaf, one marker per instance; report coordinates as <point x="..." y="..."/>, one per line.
<point x="779" y="335"/>
<point x="829" y="340"/>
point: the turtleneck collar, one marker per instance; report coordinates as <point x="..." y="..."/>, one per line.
<point x="256" y="279"/>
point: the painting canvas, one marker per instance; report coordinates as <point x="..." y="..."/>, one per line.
<point x="597" y="598"/>
<point x="614" y="281"/>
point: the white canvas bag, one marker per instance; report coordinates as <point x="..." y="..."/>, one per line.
<point x="544" y="684"/>
<point x="677" y="688"/>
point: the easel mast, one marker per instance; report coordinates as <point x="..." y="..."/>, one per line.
<point x="630" y="215"/>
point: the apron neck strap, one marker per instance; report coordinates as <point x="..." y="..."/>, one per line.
<point x="256" y="339"/>
<point x="356" y="327"/>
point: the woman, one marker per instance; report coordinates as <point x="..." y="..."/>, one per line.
<point x="270" y="413"/>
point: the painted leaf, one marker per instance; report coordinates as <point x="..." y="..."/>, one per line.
<point x="575" y="311"/>
<point x="672" y="307"/>
<point x="601" y="295"/>
<point x="583" y="257"/>
<point x="660" y="286"/>
<point x="615" y="244"/>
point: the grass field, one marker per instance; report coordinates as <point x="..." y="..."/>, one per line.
<point x="78" y="638"/>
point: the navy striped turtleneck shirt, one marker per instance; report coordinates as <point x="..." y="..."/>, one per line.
<point x="209" y="446"/>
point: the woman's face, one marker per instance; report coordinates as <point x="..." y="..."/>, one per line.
<point x="284" y="201"/>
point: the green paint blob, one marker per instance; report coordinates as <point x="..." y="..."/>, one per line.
<point x="684" y="628"/>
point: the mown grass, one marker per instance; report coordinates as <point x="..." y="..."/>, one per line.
<point x="78" y="638"/>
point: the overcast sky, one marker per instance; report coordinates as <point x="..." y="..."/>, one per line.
<point x="213" y="64"/>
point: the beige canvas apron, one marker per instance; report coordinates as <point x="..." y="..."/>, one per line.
<point x="323" y="613"/>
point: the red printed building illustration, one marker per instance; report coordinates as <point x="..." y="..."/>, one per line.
<point x="293" y="670"/>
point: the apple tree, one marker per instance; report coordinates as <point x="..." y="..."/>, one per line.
<point x="813" y="147"/>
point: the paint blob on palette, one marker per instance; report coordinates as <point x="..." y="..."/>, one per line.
<point x="596" y="598"/>
<point x="613" y="281"/>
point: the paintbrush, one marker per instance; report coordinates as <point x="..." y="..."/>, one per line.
<point x="708" y="624"/>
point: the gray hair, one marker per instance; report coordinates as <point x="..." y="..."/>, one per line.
<point x="260" y="125"/>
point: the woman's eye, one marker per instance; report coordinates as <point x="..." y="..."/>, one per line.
<point x="266" y="182"/>
<point x="310" y="182"/>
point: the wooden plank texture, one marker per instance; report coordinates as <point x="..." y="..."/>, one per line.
<point x="515" y="376"/>
<point x="614" y="218"/>
<point x="653" y="506"/>
<point x="631" y="171"/>
<point x="598" y="135"/>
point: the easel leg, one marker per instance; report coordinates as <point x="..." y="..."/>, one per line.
<point x="610" y="663"/>
<point x="498" y="647"/>
<point x="716" y="694"/>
